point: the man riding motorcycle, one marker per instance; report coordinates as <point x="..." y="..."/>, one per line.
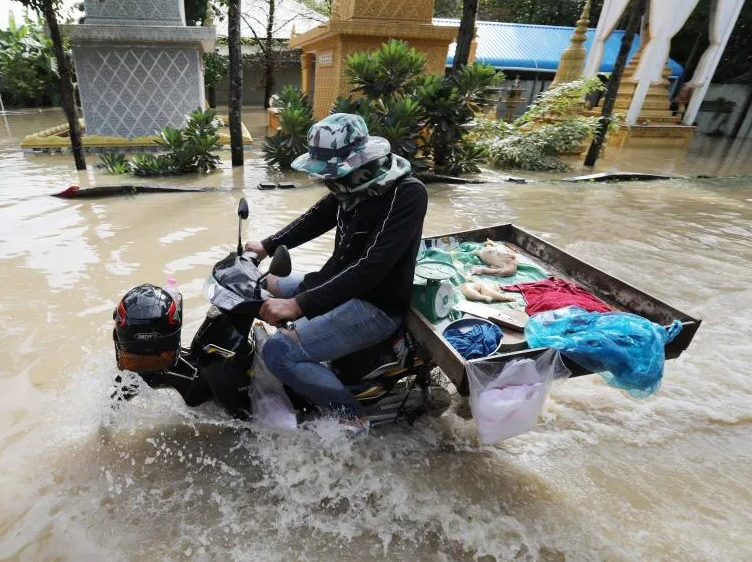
<point x="361" y="294"/>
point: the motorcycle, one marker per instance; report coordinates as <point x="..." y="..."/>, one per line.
<point x="392" y="379"/>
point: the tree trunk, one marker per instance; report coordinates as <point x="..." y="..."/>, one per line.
<point x="211" y="93"/>
<point x="465" y="34"/>
<point x="66" y="84"/>
<point x="269" y="56"/>
<point x="236" y="81"/>
<point x="638" y="8"/>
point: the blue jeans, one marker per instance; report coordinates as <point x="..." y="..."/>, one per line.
<point x="351" y="327"/>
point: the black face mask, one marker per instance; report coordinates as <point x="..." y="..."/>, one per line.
<point x="339" y="190"/>
<point x="371" y="180"/>
<point x="343" y="188"/>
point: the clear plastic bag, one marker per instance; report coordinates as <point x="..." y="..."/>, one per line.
<point x="507" y="399"/>
<point x="269" y="401"/>
<point x="626" y="349"/>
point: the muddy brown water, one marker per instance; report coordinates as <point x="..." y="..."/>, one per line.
<point x="603" y="477"/>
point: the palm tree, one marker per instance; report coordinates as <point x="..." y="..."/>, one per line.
<point x="48" y="9"/>
<point x="236" y="81"/>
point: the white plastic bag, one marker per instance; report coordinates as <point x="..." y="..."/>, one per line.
<point x="271" y="406"/>
<point x="507" y="402"/>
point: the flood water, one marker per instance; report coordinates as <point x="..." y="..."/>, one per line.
<point x="604" y="477"/>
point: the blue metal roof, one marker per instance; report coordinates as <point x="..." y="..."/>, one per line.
<point x="517" y="46"/>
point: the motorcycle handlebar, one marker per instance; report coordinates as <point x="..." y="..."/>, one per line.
<point x="252" y="256"/>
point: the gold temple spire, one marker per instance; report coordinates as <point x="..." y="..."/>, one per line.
<point x="573" y="58"/>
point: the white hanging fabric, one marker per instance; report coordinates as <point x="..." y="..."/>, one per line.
<point x="723" y="16"/>
<point x="610" y="14"/>
<point x="667" y="17"/>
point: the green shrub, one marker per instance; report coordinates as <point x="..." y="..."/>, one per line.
<point x="201" y="139"/>
<point x="151" y="165"/>
<point x="425" y="118"/>
<point x="400" y="119"/>
<point x="562" y="100"/>
<point x="216" y="67"/>
<point x="190" y="149"/>
<point x="292" y="97"/>
<point x="393" y="68"/>
<point x="359" y="106"/>
<point x="291" y="139"/>
<point x="450" y="105"/>
<point x="187" y="150"/>
<point x="529" y="145"/>
<point x="523" y="152"/>
<point x="467" y="158"/>
<point x="115" y="162"/>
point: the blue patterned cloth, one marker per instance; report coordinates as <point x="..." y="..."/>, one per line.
<point x="479" y="341"/>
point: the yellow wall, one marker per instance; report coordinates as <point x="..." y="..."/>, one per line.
<point x="419" y="11"/>
<point x="364" y="25"/>
<point x="326" y="85"/>
<point x="331" y="81"/>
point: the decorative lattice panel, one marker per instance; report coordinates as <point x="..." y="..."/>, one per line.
<point x="326" y="90"/>
<point x="339" y="9"/>
<point x="131" y="92"/>
<point x="157" y="12"/>
<point x="390" y="10"/>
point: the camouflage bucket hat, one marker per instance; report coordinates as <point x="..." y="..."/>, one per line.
<point x="338" y="145"/>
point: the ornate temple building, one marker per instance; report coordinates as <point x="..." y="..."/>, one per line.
<point x="362" y="25"/>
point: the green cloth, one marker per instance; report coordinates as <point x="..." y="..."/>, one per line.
<point x="463" y="259"/>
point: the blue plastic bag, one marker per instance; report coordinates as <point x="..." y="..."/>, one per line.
<point x="626" y="349"/>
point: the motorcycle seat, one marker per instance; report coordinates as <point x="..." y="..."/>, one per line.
<point x="377" y="362"/>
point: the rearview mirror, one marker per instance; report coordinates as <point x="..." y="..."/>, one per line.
<point x="243" y="209"/>
<point x="281" y="265"/>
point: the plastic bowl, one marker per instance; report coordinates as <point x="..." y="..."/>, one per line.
<point x="469" y="323"/>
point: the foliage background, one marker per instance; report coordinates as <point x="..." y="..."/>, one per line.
<point x="28" y="69"/>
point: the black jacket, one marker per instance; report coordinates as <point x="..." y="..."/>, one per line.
<point x="374" y="251"/>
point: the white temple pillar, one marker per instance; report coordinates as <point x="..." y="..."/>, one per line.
<point x="723" y="17"/>
<point x="610" y="14"/>
<point x="667" y="17"/>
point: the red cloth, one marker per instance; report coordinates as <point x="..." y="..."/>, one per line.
<point x="554" y="293"/>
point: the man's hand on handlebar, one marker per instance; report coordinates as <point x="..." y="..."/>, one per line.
<point x="257" y="248"/>
<point x="277" y="311"/>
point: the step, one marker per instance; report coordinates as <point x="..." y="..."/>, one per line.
<point x="651" y="98"/>
<point x="654" y="89"/>
<point x="649" y="113"/>
<point x="665" y="120"/>
<point x="647" y="106"/>
<point x="662" y="85"/>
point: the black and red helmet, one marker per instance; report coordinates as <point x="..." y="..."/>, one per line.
<point x="147" y="323"/>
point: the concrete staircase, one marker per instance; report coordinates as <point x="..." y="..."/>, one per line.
<point x="656" y="127"/>
<point x="656" y="109"/>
